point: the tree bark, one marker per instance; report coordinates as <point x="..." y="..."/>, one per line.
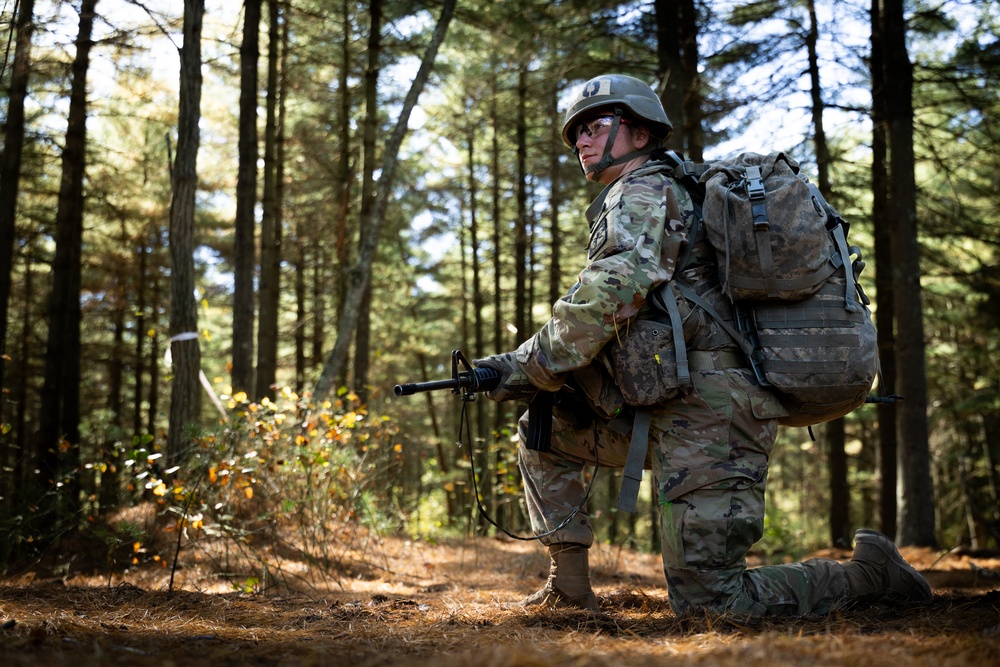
<point x="244" y="252"/>
<point x="499" y="408"/>
<point x="521" y="226"/>
<point x="361" y="272"/>
<point x="343" y="179"/>
<point x="555" y="198"/>
<point x="694" y="134"/>
<point x="884" y="315"/>
<point x="59" y="432"/>
<point x="270" y="228"/>
<point x="10" y="167"/>
<point x="362" y="337"/>
<point x="840" y="496"/>
<point x="670" y="68"/>
<point x="916" y="518"/>
<point x="185" y="351"/>
<point x="479" y="340"/>
<point x="139" y="367"/>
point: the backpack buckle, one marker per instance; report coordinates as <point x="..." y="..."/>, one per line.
<point x="755" y="183"/>
<point x="755" y="190"/>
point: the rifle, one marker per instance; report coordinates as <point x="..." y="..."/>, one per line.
<point x="468" y="381"/>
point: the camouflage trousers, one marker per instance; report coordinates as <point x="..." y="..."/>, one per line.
<point x="708" y="452"/>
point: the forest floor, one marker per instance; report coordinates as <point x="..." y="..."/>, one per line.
<point x="402" y="602"/>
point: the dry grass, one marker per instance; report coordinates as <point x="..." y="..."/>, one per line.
<point x="397" y="602"/>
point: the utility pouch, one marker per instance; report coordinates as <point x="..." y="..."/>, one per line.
<point x="644" y="363"/>
<point x="650" y="362"/>
<point x="599" y="389"/>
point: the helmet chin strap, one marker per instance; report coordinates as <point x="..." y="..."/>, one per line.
<point x="608" y="160"/>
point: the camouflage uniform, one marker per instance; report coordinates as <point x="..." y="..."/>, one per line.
<point x="708" y="449"/>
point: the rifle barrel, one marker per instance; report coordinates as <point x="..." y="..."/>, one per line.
<point x="417" y="387"/>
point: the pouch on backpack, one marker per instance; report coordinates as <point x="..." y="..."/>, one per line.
<point x="769" y="228"/>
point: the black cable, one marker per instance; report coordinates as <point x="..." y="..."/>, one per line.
<point x="463" y="421"/>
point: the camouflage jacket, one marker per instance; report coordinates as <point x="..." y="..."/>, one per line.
<point x="634" y="247"/>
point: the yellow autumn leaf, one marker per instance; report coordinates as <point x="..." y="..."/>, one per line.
<point x="248" y="492"/>
<point x="240" y="397"/>
<point x="160" y="489"/>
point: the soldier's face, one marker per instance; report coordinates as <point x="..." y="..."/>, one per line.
<point x="591" y="141"/>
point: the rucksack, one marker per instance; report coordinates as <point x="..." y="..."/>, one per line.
<point x="802" y="318"/>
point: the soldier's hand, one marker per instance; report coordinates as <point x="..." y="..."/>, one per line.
<point x="514" y="384"/>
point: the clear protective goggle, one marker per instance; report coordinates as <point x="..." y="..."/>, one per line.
<point x="593" y="126"/>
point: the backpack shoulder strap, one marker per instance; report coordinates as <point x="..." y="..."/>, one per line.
<point x="687" y="173"/>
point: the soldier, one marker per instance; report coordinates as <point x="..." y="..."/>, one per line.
<point x="708" y="446"/>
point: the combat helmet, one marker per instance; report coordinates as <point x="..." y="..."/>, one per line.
<point x="621" y="95"/>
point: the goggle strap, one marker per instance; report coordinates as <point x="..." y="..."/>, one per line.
<point x="601" y="166"/>
<point x="607" y="159"/>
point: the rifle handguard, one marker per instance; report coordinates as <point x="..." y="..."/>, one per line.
<point x="469" y="381"/>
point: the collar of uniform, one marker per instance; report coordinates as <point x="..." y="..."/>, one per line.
<point x="596" y="206"/>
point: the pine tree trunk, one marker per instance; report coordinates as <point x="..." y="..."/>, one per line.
<point x="109" y="478"/>
<point x="479" y="341"/>
<point x="362" y="337"/>
<point x="555" y="198"/>
<point x="343" y="179"/>
<point x="185" y="351"/>
<point x="138" y="360"/>
<point x="59" y="432"/>
<point x="499" y="409"/>
<point x="694" y="134"/>
<point x="884" y="314"/>
<point x="10" y="167"/>
<point x="916" y="518"/>
<point x="840" y="496"/>
<point x="521" y="226"/>
<point x="669" y="68"/>
<point x="244" y="251"/>
<point x="270" y="228"/>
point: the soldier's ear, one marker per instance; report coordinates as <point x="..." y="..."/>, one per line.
<point x="641" y="136"/>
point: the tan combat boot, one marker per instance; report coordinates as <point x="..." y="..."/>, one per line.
<point x="877" y="571"/>
<point x="569" y="581"/>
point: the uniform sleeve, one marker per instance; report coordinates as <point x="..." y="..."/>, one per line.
<point x="634" y="247"/>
